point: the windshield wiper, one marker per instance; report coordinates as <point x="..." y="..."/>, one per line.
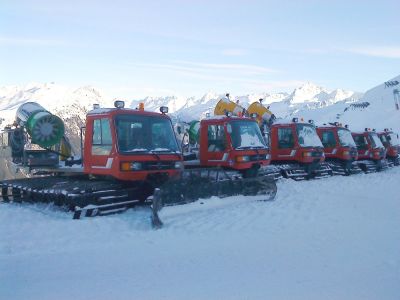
<point x="136" y="150"/>
<point x="155" y="154"/>
<point x="162" y="150"/>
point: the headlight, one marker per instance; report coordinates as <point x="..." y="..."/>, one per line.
<point x="346" y="153"/>
<point x="267" y="156"/>
<point x="136" y="166"/>
<point x="131" y="166"/>
<point x="243" y="158"/>
<point x="307" y="154"/>
<point x="178" y="165"/>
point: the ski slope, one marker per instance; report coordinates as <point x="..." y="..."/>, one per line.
<point x="334" y="238"/>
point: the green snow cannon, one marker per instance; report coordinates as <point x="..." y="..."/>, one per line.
<point x="44" y="128"/>
<point x="194" y="130"/>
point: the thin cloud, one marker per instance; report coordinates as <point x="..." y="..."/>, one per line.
<point x="386" y="52"/>
<point x="251" y="69"/>
<point x="22" y="41"/>
<point x="208" y="71"/>
<point x="234" y="52"/>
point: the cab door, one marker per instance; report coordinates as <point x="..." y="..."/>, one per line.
<point x="329" y="142"/>
<point x="98" y="147"/>
<point x="285" y="140"/>
<point x="214" y="145"/>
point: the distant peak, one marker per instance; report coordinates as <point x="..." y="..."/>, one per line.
<point x="309" y="86"/>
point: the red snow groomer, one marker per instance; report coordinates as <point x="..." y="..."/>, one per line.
<point x="232" y="143"/>
<point x="392" y="144"/>
<point x="297" y="150"/>
<point x="340" y="148"/>
<point x="371" y="152"/>
<point x="129" y="156"/>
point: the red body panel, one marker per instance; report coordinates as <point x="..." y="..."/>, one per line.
<point x="228" y="156"/>
<point x="391" y="151"/>
<point x="336" y="151"/>
<point x="295" y="153"/>
<point x="109" y="163"/>
<point x="369" y="152"/>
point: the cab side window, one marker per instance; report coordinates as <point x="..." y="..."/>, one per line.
<point x="328" y="139"/>
<point x="285" y="138"/>
<point x="216" y="138"/>
<point x="101" y="141"/>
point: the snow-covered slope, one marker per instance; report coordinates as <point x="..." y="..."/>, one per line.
<point x="334" y="238"/>
<point x="380" y="113"/>
<point x="375" y="109"/>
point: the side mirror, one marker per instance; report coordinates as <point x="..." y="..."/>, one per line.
<point x="301" y="140"/>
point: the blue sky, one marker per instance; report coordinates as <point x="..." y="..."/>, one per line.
<point x="132" y="49"/>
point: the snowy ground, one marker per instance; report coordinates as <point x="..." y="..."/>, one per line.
<point x="336" y="238"/>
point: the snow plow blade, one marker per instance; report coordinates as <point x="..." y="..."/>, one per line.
<point x="102" y="210"/>
<point x="204" y="183"/>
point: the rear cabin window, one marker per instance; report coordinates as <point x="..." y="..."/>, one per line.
<point x="102" y="141"/>
<point x="216" y="138"/>
<point x="328" y="139"/>
<point x="285" y="138"/>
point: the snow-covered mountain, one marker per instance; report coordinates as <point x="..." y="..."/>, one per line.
<point x="309" y="96"/>
<point x="57" y="98"/>
<point x="70" y="104"/>
<point x="309" y="101"/>
<point x="375" y="109"/>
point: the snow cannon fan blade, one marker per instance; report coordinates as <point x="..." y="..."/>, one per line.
<point x="44" y="128"/>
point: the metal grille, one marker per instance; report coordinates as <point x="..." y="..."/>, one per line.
<point x="159" y="165"/>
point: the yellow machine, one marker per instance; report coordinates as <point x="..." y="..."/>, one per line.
<point x="65" y="148"/>
<point x="263" y="114"/>
<point x="225" y="105"/>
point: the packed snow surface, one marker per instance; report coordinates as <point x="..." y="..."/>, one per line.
<point x="334" y="238"/>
